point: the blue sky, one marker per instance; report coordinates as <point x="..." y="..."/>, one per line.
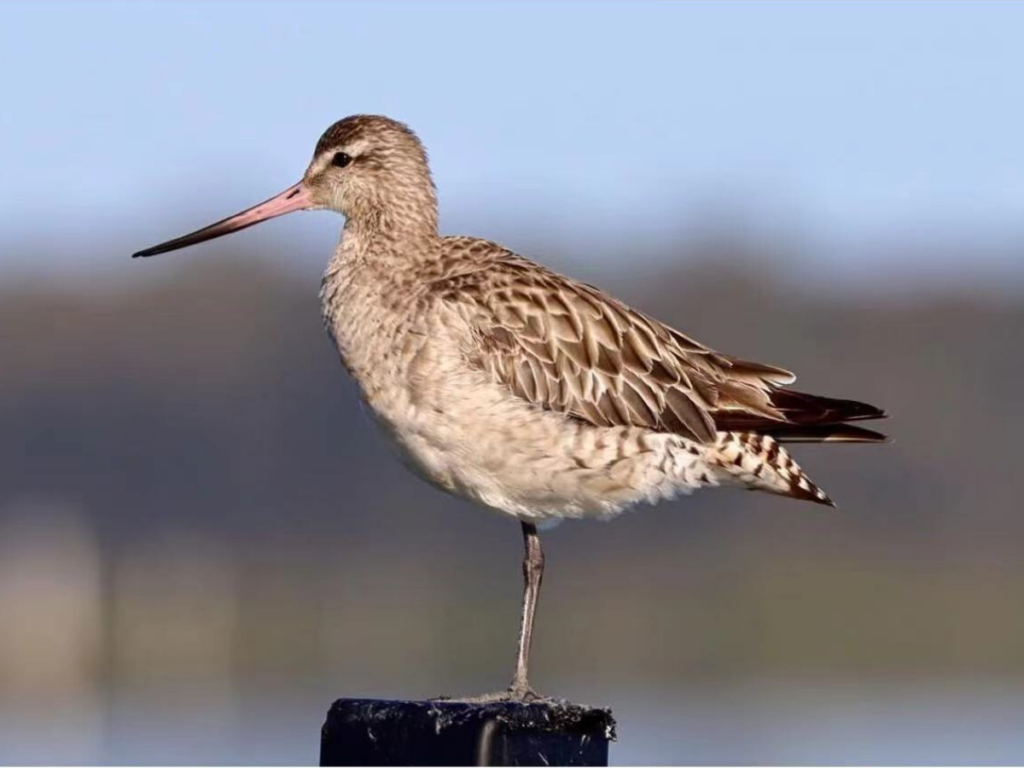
<point x="127" y="123"/>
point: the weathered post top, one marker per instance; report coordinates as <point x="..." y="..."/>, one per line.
<point x="376" y="732"/>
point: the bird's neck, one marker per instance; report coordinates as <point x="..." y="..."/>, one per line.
<point x="372" y="255"/>
<point x="389" y="242"/>
<point x="385" y="230"/>
<point x="403" y="214"/>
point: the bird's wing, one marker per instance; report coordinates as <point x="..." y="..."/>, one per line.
<point x="573" y="349"/>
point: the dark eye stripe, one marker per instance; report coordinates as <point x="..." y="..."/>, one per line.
<point x="340" y="159"/>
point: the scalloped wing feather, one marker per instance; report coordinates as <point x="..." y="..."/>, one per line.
<point x="571" y="348"/>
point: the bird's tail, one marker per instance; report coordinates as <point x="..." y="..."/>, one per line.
<point x="805" y="418"/>
<point x="748" y="451"/>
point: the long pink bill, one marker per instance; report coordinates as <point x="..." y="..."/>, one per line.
<point x="295" y="198"/>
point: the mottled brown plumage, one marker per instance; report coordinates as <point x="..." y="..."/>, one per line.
<point x="509" y="384"/>
<point x="573" y="349"/>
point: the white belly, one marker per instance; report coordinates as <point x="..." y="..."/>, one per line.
<point x="472" y="438"/>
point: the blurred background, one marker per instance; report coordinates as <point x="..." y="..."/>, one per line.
<point x="203" y="541"/>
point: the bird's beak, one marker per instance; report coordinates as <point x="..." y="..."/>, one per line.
<point x="295" y="198"/>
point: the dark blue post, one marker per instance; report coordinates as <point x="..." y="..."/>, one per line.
<point x="374" y="732"/>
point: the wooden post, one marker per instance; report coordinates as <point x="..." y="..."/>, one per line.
<point x="375" y="732"/>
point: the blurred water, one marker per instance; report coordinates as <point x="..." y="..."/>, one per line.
<point x="165" y="668"/>
<point x="755" y="723"/>
<point x="825" y="724"/>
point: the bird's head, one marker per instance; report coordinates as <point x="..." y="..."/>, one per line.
<point x="371" y="169"/>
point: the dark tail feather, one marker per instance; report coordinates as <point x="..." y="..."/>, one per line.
<point x="809" y="419"/>
<point x="825" y="433"/>
<point x="802" y="408"/>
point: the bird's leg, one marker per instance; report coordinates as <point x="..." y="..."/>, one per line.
<point x="533" y="573"/>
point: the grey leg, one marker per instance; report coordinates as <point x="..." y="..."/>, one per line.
<point x="533" y="572"/>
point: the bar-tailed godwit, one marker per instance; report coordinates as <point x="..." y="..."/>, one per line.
<point x="521" y="389"/>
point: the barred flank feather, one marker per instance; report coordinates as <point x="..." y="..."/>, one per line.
<point x="759" y="462"/>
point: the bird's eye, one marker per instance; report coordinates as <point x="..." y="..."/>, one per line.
<point x="340" y="159"/>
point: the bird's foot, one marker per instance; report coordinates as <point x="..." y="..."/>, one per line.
<point x="524" y="694"/>
<point x="518" y="694"/>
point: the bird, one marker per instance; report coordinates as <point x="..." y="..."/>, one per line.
<point x="508" y="384"/>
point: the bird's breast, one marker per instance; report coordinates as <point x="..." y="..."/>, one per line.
<point x="369" y="324"/>
<point x="399" y="352"/>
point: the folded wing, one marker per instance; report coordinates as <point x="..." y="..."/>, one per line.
<point x="570" y="348"/>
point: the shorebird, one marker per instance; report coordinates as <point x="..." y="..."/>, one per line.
<point x="523" y="390"/>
